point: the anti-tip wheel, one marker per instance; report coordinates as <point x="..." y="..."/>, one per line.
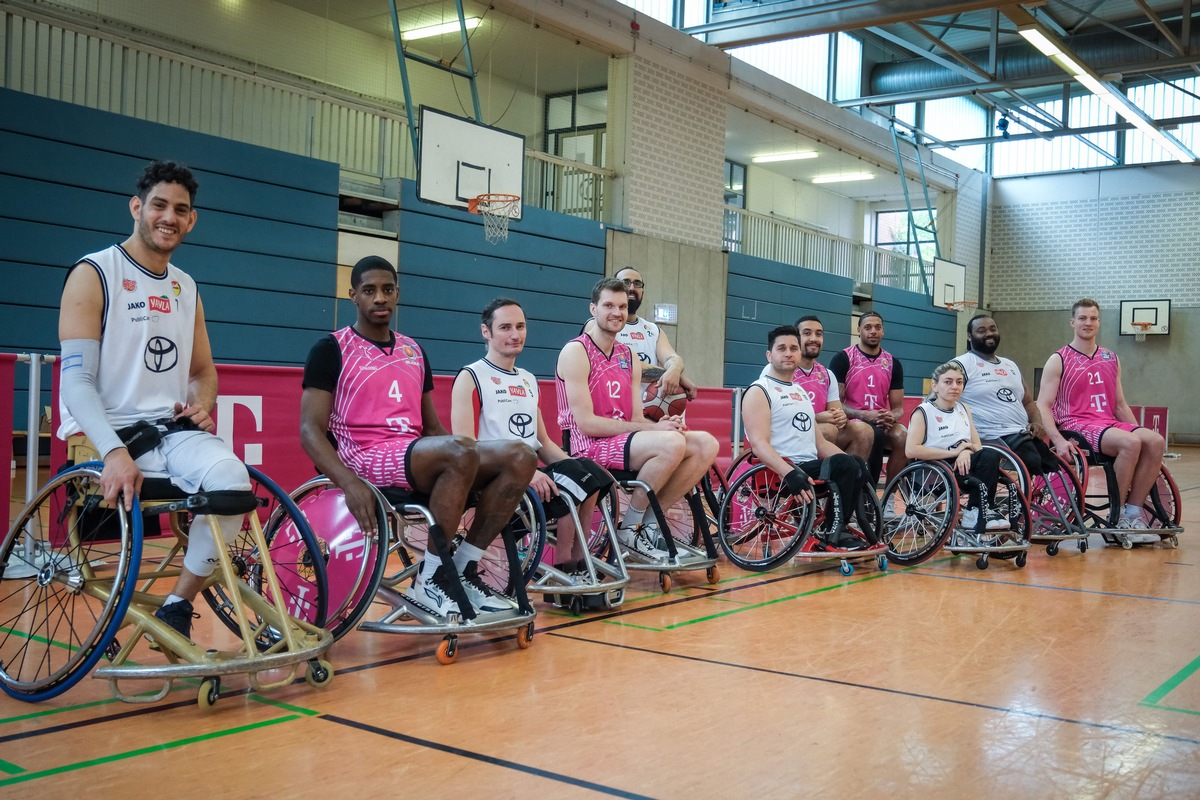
<point x="614" y="598"/>
<point x="1021" y="559"/>
<point x="664" y="581"/>
<point x="1126" y="543"/>
<point x="713" y="574"/>
<point x="1083" y="545"/>
<point x="1052" y="549"/>
<point x="447" y="650"/>
<point x="881" y="562"/>
<point x="210" y="690"/>
<point x="1173" y="540"/>
<point x="525" y="636"/>
<point x="981" y="562"/>
<point x="320" y="673"/>
<point x="846" y="568"/>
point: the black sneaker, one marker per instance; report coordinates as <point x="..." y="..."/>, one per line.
<point x="846" y="540"/>
<point x="179" y="616"/>
<point x="483" y="598"/>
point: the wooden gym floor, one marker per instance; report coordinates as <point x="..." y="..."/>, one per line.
<point x="1078" y="676"/>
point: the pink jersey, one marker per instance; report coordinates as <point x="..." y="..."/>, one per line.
<point x="610" y="382"/>
<point x="378" y="397"/>
<point x="1087" y="392"/>
<point x="868" y="380"/>
<point x="817" y="383"/>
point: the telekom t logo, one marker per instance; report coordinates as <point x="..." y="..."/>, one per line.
<point x="1099" y="402"/>
<point x="252" y="453"/>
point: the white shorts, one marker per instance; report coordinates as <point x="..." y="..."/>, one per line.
<point x="187" y="457"/>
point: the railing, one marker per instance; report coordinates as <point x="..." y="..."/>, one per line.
<point x="767" y="237"/>
<point x="568" y="187"/>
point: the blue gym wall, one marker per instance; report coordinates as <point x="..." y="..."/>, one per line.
<point x="921" y="336"/>
<point x="764" y="294"/>
<point x="263" y="250"/>
<point x="449" y="272"/>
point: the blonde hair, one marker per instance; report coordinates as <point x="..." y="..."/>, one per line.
<point x="942" y="370"/>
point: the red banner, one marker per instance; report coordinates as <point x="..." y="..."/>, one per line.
<point x="7" y="362"/>
<point x="1155" y="418"/>
<point x="258" y="414"/>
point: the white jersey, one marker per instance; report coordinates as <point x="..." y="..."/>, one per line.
<point x="994" y="392"/>
<point x="147" y="330"/>
<point x="792" y="419"/>
<point x="508" y="402"/>
<point x="642" y="338"/>
<point x="945" y="429"/>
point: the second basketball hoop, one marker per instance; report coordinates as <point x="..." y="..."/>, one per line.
<point x="496" y="210"/>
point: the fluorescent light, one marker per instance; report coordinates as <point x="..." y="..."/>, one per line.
<point x="802" y="154"/>
<point x="843" y="177"/>
<point x="1040" y="41"/>
<point x="471" y="23"/>
<point x="1067" y="64"/>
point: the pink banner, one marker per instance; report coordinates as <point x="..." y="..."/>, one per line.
<point x="1137" y="413"/>
<point x="1155" y="418"/>
<point x="258" y="414"/>
<point x="7" y="362"/>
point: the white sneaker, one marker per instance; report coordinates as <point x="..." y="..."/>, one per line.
<point x="642" y="540"/>
<point x="1132" y="523"/>
<point x="431" y="595"/>
<point x="968" y="518"/>
<point x="484" y="598"/>
<point x="996" y="521"/>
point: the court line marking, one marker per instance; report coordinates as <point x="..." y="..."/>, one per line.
<point x="486" y="759"/>
<point x="1155" y="698"/>
<point x="924" y="574"/>
<point x="141" y="751"/>
<point x="885" y="690"/>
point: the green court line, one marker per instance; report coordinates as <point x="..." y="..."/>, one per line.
<point x="141" y="751"/>
<point x="1153" y="699"/>
<point x="266" y="701"/>
<point x="52" y="711"/>
<point x="38" y="639"/>
<point x="1171" y="708"/>
<point x="10" y="768"/>
<point x="776" y="600"/>
<point x="631" y="625"/>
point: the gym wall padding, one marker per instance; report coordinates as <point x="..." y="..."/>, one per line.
<point x="449" y="272"/>
<point x="764" y="294"/>
<point x="921" y="336"/>
<point x="263" y="250"/>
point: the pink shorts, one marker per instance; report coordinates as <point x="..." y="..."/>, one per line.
<point x="384" y="464"/>
<point x="1093" y="432"/>
<point x="610" y="452"/>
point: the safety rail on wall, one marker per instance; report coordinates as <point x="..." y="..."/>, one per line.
<point x="764" y="236"/>
<point x="565" y="186"/>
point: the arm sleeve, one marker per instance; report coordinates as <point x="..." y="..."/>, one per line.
<point x="323" y="365"/>
<point x="897" y="375"/>
<point x="81" y="395"/>
<point x="839" y="365"/>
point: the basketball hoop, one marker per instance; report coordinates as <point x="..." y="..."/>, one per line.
<point x="496" y="210"/>
<point x="962" y="305"/>
<point x="1140" y="334"/>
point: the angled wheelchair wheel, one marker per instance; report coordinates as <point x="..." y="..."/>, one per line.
<point x="713" y="487"/>
<point x="1163" y="508"/>
<point x="529" y="529"/>
<point x="295" y="553"/>
<point x="928" y="495"/>
<point x="1101" y="500"/>
<point x="1055" y="500"/>
<point x="67" y="573"/>
<point x="1011" y="502"/>
<point x="762" y="526"/>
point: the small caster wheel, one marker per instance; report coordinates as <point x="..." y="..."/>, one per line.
<point x="447" y="650"/>
<point x="1126" y="544"/>
<point x="1052" y="549"/>
<point x="664" y="581"/>
<point x="575" y="606"/>
<point x="713" y="574"/>
<point x="881" y="562"/>
<point x="210" y="690"/>
<point x="320" y="673"/>
<point x="981" y="562"/>
<point x="614" y="598"/>
<point x="846" y="568"/>
<point x="1021" y="559"/>
<point x="525" y="636"/>
<point x="1173" y="540"/>
<point x="1083" y="545"/>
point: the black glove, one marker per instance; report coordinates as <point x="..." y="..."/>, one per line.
<point x="797" y="481"/>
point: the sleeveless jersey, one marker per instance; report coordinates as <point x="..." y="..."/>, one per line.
<point x="792" y="419"/>
<point x="508" y="402"/>
<point x="868" y="380"/>
<point x="817" y="382"/>
<point x="610" y="382"/>
<point x="642" y="338"/>
<point x="945" y="429"/>
<point x="147" y="329"/>
<point x="378" y="395"/>
<point x="1088" y="390"/>
<point x="994" y="392"/>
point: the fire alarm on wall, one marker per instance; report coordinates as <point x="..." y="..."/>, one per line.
<point x="633" y="26"/>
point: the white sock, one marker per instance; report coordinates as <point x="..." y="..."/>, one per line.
<point x="429" y="566"/>
<point x="1132" y="511"/>
<point x="172" y="598"/>
<point x="465" y="554"/>
<point x="633" y="517"/>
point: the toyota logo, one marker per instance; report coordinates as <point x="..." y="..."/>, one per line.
<point x="1006" y="396"/>
<point x="642" y="357"/>
<point x="520" y="425"/>
<point x="802" y="422"/>
<point x="161" y="354"/>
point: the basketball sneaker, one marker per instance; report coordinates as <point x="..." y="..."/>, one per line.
<point x="178" y="615"/>
<point x="968" y="518"/>
<point x="431" y="595"/>
<point x="995" y="521"/>
<point x="642" y="540"/>
<point x="484" y="598"/>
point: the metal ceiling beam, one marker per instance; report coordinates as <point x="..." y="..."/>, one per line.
<point x="1167" y="33"/>
<point x="1057" y="132"/>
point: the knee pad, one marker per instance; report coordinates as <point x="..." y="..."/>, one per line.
<point x="226" y="474"/>
<point x="579" y="477"/>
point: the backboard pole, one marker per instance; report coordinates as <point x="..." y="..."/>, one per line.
<point x="408" y="105"/>
<point x="466" y="43"/>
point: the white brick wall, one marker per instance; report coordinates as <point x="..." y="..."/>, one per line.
<point x="676" y="156"/>
<point x="968" y="230"/>
<point x="1046" y="255"/>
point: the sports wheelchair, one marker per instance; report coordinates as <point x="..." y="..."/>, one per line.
<point x="928" y="492"/>
<point x="74" y="572"/>
<point x="1101" y="505"/>
<point x="362" y="572"/>
<point x="1055" y="499"/>
<point x="762" y="525"/>
<point x="604" y="577"/>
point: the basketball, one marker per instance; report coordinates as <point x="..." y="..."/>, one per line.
<point x="656" y="405"/>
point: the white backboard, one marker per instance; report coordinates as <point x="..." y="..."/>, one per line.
<point x="1156" y="312"/>
<point x="949" y="283"/>
<point x="461" y="159"/>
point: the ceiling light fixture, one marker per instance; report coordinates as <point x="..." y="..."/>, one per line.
<point x="1110" y="95"/>
<point x="471" y="23"/>
<point x="843" y="177"/>
<point x="797" y="156"/>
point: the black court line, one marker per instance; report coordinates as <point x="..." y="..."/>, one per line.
<point x="922" y="574"/>
<point x="86" y="723"/>
<point x="897" y="692"/>
<point x="486" y="759"/>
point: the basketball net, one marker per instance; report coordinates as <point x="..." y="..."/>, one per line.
<point x="496" y="210"/>
<point x="1140" y="334"/>
<point x="962" y="305"/>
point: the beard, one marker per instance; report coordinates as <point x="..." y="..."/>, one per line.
<point x="982" y="347"/>
<point x="634" y="304"/>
